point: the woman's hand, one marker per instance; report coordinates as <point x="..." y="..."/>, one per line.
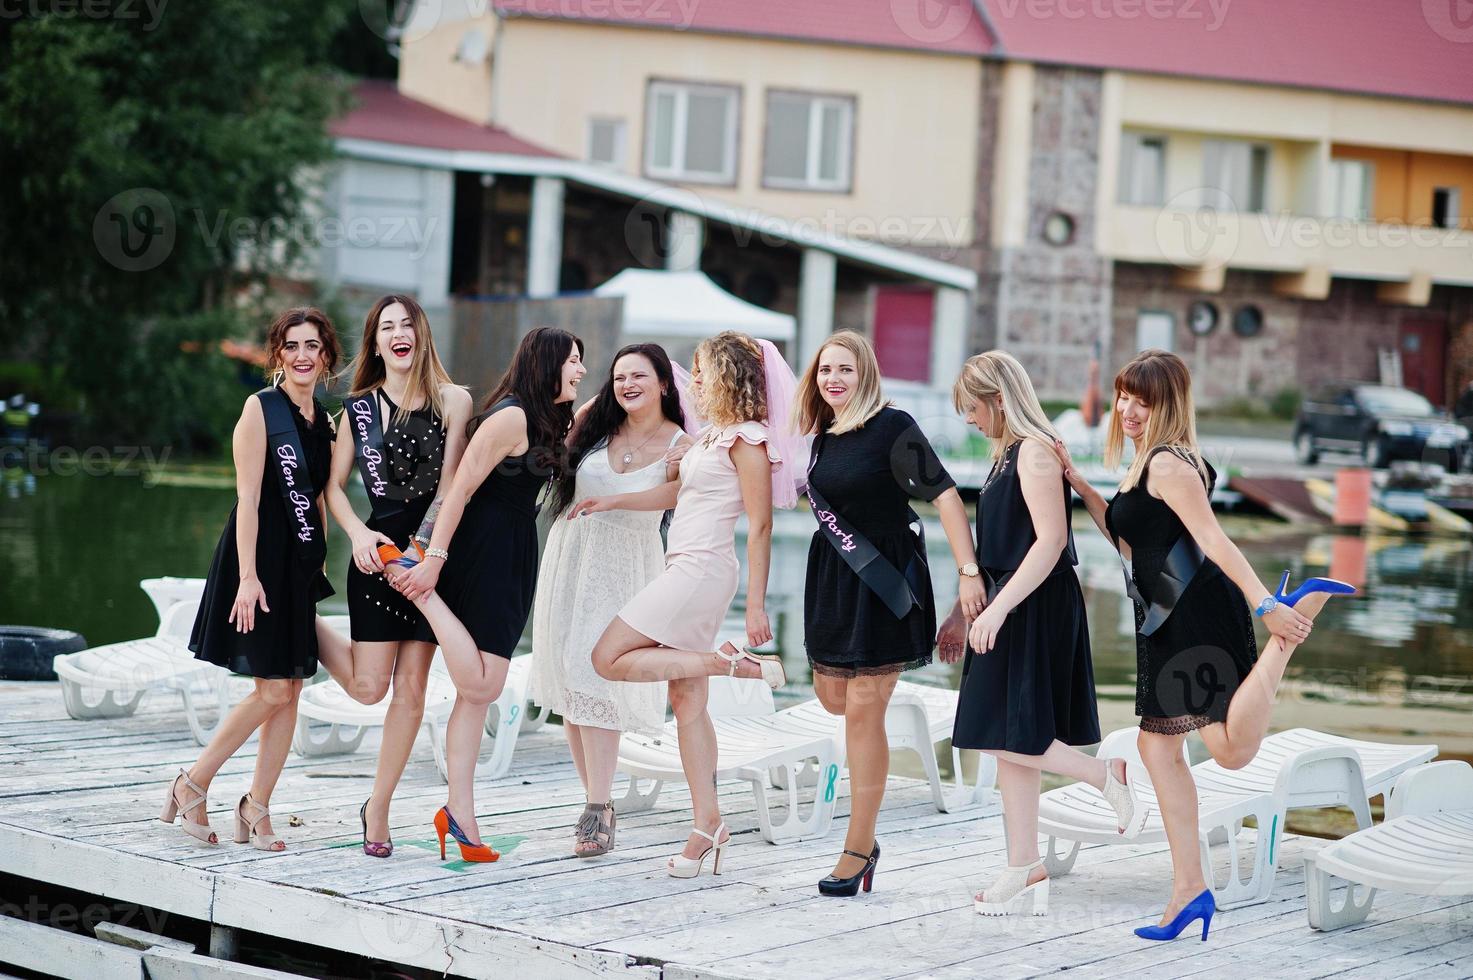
<point x="676" y="453"/>
<point x="1288" y="625"/>
<point x="951" y="639"/>
<point x="973" y="596"/>
<point x="758" y="629"/>
<point x="1070" y="472"/>
<point x="365" y="550"/>
<point x="243" y="612"/>
<point x="983" y="634"/>
<point x="592" y="505"/>
<point x="417" y="581"/>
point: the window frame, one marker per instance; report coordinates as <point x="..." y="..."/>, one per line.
<point x="816" y="100"/>
<point x="1131" y="142"/>
<point x="1455" y="206"/>
<point x="621" y="141"/>
<point x="1256" y="150"/>
<point x="1368" y="188"/>
<point x="682" y="89"/>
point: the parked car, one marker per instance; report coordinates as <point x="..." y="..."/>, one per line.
<point x="1379" y="422"/>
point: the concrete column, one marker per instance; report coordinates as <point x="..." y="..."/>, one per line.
<point x="815" y="304"/>
<point x="948" y="334"/>
<point x="545" y="237"/>
<point x="1014" y="154"/>
<point x="432" y="239"/>
<point x="685" y="237"/>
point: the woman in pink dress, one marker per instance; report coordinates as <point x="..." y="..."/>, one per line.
<point x="749" y="460"/>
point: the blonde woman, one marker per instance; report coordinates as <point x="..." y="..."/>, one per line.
<point x="1027" y="692"/>
<point x="868" y="611"/>
<point x="745" y="460"/>
<point x="1197" y="664"/>
<point x="404" y="431"/>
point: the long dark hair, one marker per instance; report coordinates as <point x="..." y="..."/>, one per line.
<point x="534" y="379"/>
<point x="605" y="415"/>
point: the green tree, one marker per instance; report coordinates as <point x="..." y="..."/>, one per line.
<point x="158" y="162"/>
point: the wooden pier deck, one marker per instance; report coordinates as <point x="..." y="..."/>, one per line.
<point x="79" y="803"/>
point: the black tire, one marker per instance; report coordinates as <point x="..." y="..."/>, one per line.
<point x="26" y="651"/>
<point x="1374" y="453"/>
<point x="1304" y="449"/>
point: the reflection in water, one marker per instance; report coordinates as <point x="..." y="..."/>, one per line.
<point x="76" y="548"/>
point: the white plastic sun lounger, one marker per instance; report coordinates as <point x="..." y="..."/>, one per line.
<point x="1300" y="768"/>
<point x="349" y="721"/>
<point x="109" y="681"/>
<point x="1424" y="847"/>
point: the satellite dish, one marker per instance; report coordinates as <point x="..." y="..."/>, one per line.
<point x="472" y="48"/>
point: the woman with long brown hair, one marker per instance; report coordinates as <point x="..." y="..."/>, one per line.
<point x="403" y="429"/>
<point x="1197" y="663"/>
<point x="868" y="611"/>
<point x="257" y="614"/>
<point x="475" y="598"/>
<point x="746" y="460"/>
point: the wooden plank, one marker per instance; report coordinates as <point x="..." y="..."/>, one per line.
<point x="32" y="946"/>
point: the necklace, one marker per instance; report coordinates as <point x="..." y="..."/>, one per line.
<point x="628" y="456"/>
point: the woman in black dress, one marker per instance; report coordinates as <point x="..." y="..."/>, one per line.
<point x="476" y="598"/>
<point x="1198" y="669"/>
<point x="1027" y="692"/>
<point x="404" y="431"/>
<point x="870" y="461"/>
<point x="257" y="615"/>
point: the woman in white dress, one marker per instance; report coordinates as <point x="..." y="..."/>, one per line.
<point x="628" y="439"/>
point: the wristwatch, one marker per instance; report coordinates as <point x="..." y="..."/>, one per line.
<point x="1268" y="605"/>
<point x="970" y="570"/>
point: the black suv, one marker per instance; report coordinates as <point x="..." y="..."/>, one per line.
<point x="1379" y="422"/>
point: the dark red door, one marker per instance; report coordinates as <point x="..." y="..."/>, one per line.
<point x="1423" y="347"/>
<point x="903" y="316"/>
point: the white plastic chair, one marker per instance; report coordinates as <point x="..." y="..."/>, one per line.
<point x="1300" y="768"/>
<point x="1424" y="847"/>
<point x="349" y="721"/>
<point x="109" y="681"/>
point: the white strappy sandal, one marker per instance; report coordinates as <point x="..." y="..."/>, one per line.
<point x="772" y="667"/>
<point x="1011" y="891"/>
<point x="681" y="866"/>
<point x="1130" y="810"/>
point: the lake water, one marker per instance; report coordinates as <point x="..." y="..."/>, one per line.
<point x="74" y="548"/>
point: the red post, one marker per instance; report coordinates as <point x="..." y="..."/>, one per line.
<point x="1352" y="497"/>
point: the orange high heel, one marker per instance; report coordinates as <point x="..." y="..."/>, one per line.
<point x="477" y="853"/>
<point x="390" y="555"/>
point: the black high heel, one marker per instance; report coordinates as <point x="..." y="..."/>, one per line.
<point x="845" y="887"/>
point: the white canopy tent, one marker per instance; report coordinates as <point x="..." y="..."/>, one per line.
<point x="689" y="304"/>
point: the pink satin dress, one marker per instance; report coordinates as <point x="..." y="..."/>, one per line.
<point x="684" y="605"/>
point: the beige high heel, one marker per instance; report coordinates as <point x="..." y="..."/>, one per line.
<point x="172" y="808"/>
<point x="245" y="829"/>
<point x="772" y="667"/>
<point x="681" y="866"/>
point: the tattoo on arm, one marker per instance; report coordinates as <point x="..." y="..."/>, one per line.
<point x="427" y="526"/>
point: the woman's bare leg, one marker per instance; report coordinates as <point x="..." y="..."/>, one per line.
<point x="271" y="753"/>
<point x="625" y="654"/>
<point x="362" y="669"/>
<point x="865" y="701"/>
<point x="401" y="727"/>
<point x="697" y="738"/>
<point x="1176" y="796"/>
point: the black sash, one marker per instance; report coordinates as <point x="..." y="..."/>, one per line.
<point x="1183" y="562"/>
<point x="285" y="455"/>
<point x="373" y="465"/>
<point x="895" y="590"/>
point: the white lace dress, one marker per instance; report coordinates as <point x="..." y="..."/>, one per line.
<point x="591" y="567"/>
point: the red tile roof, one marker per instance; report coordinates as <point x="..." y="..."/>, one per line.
<point x="380" y="112"/>
<point x="946" y="26"/>
<point x="1412" y="48"/>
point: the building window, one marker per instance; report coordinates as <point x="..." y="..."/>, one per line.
<point x="1350" y="184"/>
<point x="606" y="142"/>
<point x="1235" y="175"/>
<point x="691" y="132"/>
<point x="810" y="142"/>
<point x="1142" y="169"/>
<point x="1446" y="207"/>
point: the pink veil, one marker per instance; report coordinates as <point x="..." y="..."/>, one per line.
<point x="791" y="475"/>
<point x="693" y="421"/>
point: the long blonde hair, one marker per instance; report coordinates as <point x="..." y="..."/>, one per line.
<point x="427" y="376"/>
<point x="733" y="389"/>
<point x="1161" y="380"/>
<point x="811" y="414"/>
<point x="999" y="373"/>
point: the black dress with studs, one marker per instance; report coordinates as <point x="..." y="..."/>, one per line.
<point x="415" y="448"/>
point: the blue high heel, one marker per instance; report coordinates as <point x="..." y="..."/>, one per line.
<point x="1310" y="586"/>
<point x="1200" y="907"/>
